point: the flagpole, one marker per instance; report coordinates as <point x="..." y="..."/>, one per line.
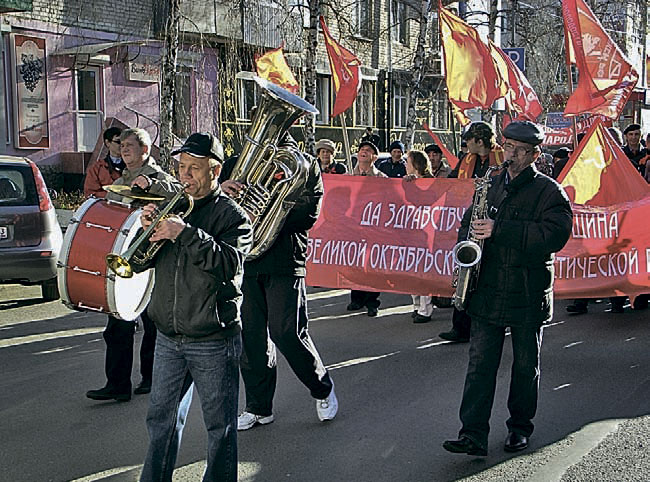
<point x="346" y="143"/>
<point x="570" y="85"/>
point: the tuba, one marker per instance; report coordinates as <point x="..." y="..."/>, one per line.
<point x="271" y="175"/>
<point x="467" y="253"/>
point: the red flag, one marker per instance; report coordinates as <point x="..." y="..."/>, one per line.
<point x="451" y="159"/>
<point x="346" y="72"/>
<point x="521" y="99"/>
<point x="606" y="76"/>
<point x="273" y="67"/>
<point x="471" y="75"/>
<point x="600" y="174"/>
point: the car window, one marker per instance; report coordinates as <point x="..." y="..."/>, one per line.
<point x="17" y="186"/>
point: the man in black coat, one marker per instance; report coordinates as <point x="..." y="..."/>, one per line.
<point x="274" y="310"/>
<point x="529" y="219"/>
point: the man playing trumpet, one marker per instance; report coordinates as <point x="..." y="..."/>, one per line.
<point x="195" y="307"/>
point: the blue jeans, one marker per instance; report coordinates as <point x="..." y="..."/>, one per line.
<point x="486" y="347"/>
<point x="213" y="368"/>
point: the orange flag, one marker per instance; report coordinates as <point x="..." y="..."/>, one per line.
<point x="600" y="174"/>
<point x="273" y="67"/>
<point x="346" y="72"/>
<point x="471" y="75"/>
<point x="521" y="99"/>
<point x="606" y="76"/>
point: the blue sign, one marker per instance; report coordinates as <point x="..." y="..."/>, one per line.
<point x="556" y="120"/>
<point x="518" y="56"/>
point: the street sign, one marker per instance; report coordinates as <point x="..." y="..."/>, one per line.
<point x="518" y="56"/>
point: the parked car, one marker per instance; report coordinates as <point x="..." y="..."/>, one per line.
<point x="30" y="236"/>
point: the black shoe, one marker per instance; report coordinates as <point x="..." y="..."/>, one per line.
<point x="617" y="309"/>
<point x="108" y="393"/>
<point x="641" y="303"/>
<point x="464" y="446"/>
<point x="372" y="311"/>
<point x="576" y="309"/>
<point x="143" y="387"/>
<point x="515" y="442"/>
<point x="421" y="319"/>
<point x="454" y="336"/>
<point x="414" y="314"/>
<point x="354" y="307"/>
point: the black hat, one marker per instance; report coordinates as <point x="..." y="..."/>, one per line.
<point x="432" y="148"/>
<point x="396" y="145"/>
<point x="632" y="127"/>
<point x="202" y="144"/>
<point x="562" y="153"/>
<point x="524" y="131"/>
<point x="478" y="129"/>
<point x="368" y="143"/>
<point x="463" y="143"/>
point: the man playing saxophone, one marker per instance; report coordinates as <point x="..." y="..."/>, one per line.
<point x="195" y="307"/>
<point x="529" y="219"/>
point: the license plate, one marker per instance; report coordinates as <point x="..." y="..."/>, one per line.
<point x="4" y="232"/>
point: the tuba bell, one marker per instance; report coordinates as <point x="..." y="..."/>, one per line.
<point x="271" y="175"/>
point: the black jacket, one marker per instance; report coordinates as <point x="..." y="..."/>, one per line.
<point x="287" y="255"/>
<point x="197" y="291"/>
<point x="393" y="169"/>
<point x="532" y="220"/>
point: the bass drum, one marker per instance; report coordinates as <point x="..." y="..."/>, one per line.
<point x="97" y="228"/>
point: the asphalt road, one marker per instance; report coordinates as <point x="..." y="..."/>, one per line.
<point x="399" y="388"/>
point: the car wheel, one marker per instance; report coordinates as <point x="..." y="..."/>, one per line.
<point x="50" y="290"/>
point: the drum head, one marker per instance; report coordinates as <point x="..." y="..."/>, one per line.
<point x="128" y="297"/>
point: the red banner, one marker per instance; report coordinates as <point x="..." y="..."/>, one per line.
<point x="390" y="235"/>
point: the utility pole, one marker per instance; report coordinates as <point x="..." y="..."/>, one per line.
<point x="168" y="83"/>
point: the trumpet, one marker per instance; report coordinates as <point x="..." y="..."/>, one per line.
<point x="142" y="250"/>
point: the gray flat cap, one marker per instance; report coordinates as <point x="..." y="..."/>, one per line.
<point x="524" y="131"/>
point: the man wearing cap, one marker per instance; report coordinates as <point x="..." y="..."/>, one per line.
<point x="366" y="157"/>
<point x="529" y="219"/>
<point x="439" y="166"/>
<point x="195" y="307"/>
<point x="560" y="158"/>
<point x="325" y="151"/>
<point x="633" y="148"/>
<point x="483" y="152"/>
<point x="140" y="170"/>
<point x="371" y="137"/>
<point x="396" y="165"/>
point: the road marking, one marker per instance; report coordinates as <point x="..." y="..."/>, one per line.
<point x="560" y="387"/>
<point x="326" y="294"/>
<point x="23" y="340"/>
<point x="107" y="473"/>
<point x="575" y="343"/>
<point x="358" y="361"/>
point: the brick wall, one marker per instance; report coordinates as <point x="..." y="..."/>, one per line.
<point x="117" y="16"/>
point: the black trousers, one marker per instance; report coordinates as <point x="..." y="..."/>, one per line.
<point x="118" y="336"/>
<point x="461" y="322"/>
<point x="274" y="313"/>
<point x="369" y="299"/>
<point x="486" y="347"/>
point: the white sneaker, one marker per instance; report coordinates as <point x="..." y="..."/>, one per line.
<point x="248" y="420"/>
<point x="327" y="408"/>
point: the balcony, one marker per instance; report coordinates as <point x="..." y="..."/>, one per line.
<point x="7" y="6"/>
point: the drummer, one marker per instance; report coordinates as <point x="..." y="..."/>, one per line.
<point x="141" y="170"/>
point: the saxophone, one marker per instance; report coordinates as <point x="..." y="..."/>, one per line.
<point x="467" y="254"/>
<point x="271" y="175"/>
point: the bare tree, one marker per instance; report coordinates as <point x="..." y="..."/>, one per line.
<point x="168" y="87"/>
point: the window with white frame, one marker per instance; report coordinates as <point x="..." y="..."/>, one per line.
<point x="363" y="18"/>
<point x="400" y="21"/>
<point x="400" y="105"/>
<point x="323" y="99"/>
<point x="365" y="104"/>
<point x="247" y="95"/>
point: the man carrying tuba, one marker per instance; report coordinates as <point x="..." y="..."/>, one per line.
<point x="275" y="307"/>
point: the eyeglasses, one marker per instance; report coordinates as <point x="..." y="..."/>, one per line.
<point x="519" y="151"/>
<point x="116" y="141"/>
